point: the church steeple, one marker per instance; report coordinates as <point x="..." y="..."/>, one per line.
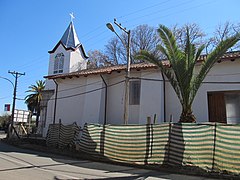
<point x="69" y="38"/>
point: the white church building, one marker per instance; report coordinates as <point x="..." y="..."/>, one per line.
<point x="74" y="93"/>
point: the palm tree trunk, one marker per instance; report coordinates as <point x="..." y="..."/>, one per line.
<point x="187" y="116"/>
<point x="37" y="119"/>
<point x="38" y="114"/>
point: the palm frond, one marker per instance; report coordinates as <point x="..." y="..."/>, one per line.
<point x="216" y="54"/>
<point x="33" y="100"/>
<point x="169" y="42"/>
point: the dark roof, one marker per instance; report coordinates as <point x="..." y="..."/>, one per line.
<point x="117" y="68"/>
<point x="70" y="41"/>
<point x="69" y="38"/>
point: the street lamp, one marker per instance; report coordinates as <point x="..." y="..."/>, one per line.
<point x="127" y="46"/>
<point x="7" y="80"/>
<point x="10" y="82"/>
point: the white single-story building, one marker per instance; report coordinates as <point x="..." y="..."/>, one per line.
<point x="76" y="94"/>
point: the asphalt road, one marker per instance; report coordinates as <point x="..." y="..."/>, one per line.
<point x="23" y="164"/>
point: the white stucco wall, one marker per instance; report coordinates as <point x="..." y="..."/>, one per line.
<point x="79" y="100"/>
<point x="115" y="98"/>
<point x="77" y="61"/>
<point x="151" y="101"/>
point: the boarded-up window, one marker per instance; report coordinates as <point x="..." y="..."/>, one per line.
<point x="134" y="92"/>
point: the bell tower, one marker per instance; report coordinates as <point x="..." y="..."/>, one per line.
<point x="67" y="56"/>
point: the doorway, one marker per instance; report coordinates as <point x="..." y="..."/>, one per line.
<point x="217" y="107"/>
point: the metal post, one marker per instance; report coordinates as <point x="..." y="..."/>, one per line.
<point x="55" y="102"/>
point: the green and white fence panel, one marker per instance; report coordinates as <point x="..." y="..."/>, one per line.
<point x="227" y="150"/>
<point x="62" y="136"/>
<point x="130" y="143"/>
<point x="191" y="144"/>
<point x="91" y="138"/>
<point x="158" y="144"/>
<point x="68" y="135"/>
<point x="53" y="135"/>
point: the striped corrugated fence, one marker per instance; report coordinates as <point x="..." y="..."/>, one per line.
<point x="227" y="150"/>
<point x="62" y="136"/>
<point x="209" y="146"/>
<point x="129" y="143"/>
<point x="191" y="144"/>
<point x="53" y="135"/>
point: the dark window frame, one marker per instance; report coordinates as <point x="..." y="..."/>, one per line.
<point x="58" y="63"/>
<point x="134" y="92"/>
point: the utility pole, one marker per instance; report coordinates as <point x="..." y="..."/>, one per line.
<point x="16" y="75"/>
<point x="127" y="46"/>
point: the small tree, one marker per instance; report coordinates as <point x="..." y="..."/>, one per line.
<point x="4" y="121"/>
<point x="97" y="59"/>
<point x="182" y="65"/>
<point x="143" y="37"/>
<point x="222" y="32"/>
<point x="33" y="100"/>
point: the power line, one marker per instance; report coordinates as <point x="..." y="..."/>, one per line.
<point x="169" y="14"/>
<point x="87" y="92"/>
<point x="140" y="10"/>
<point x="160" y="11"/>
<point x="6" y="97"/>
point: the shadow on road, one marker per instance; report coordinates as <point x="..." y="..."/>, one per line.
<point x="11" y="152"/>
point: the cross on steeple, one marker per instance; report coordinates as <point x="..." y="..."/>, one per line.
<point x="71" y="16"/>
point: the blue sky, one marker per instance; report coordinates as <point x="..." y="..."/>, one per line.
<point x="30" y="28"/>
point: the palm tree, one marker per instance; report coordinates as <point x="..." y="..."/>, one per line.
<point x="180" y="72"/>
<point x="33" y="100"/>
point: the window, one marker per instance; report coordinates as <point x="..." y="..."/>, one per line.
<point x="134" y="92"/>
<point x="58" y="63"/>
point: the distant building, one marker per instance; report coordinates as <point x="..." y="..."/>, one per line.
<point x="76" y="94"/>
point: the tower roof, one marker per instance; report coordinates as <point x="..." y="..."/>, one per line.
<point x="69" y="38"/>
<point x="70" y="41"/>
